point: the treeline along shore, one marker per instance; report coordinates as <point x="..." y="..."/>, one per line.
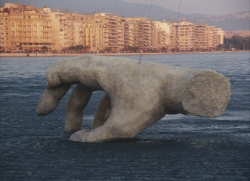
<point x="104" y="54"/>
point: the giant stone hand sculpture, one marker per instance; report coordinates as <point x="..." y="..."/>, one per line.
<point x="136" y="94"/>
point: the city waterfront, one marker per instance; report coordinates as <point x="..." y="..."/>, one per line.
<point x="31" y="29"/>
<point x="178" y="147"/>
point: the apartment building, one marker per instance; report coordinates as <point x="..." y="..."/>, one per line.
<point x="200" y="37"/>
<point x="145" y="29"/>
<point x="24" y="27"/>
<point x="130" y="32"/>
<point x="218" y="37"/>
<point x="95" y="34"/>
<point x="127" y="33"/>
<point x="67" y="29"/>
<point x="210" y="42"/>
<point x="104" y="31"/>
<point x="181" y="36"/>
<point x="137" y="32"/>
<point x="186" y="36"/>
<point x="115" y="32"/>
<point x="4" y="30"/>
<point x="162" y="35"/>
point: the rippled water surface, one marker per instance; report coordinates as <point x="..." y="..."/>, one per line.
<point x="178" y="147"/>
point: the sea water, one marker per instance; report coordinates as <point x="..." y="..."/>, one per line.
<point x="178" y="147"/>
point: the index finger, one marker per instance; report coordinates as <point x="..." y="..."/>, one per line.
<point x="50" y="99"/>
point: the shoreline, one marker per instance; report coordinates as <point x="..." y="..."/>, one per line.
<point x="104" y="54"/>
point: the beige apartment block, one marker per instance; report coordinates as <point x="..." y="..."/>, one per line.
<point x="145" y="29"/>
<point x="218" y="37"/>
<point x="4" y="30"/>
<point x="153" y="44"/>
<point x="24" y="27"/>
<point x="70" y="31"/>
<point x="186" y="36"/>
<point x="138" y="32"/>
<point x="158" y="38"/>
<point x="130" y="35"/>
<point x="59" y="29"/>
<point x="94" y="36"/>
<point x="161" y="38"/>
<point x="104" y="32"/>
<point x="181" y="35"/>
<point x="127" y="33"/>
<point x="67" y="29"/>
<point x="206" y="37"/>
<point x="115" y="32"/>
<point x="201" y="37"/>
<point x="75" y="24"/>
<point x="163" y="33"/>
<point x="210" y="34"/>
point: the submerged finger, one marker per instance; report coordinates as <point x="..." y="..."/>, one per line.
<point x="78" y="100"/>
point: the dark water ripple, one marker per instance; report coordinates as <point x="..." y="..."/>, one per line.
<point x="176" y="148"/>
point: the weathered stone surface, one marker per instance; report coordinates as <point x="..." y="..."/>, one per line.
<point x="137" y="94"/>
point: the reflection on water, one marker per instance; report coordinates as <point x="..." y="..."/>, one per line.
<point x="178" y="147"/>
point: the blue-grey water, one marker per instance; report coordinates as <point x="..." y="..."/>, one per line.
<point x="178" y="147"/>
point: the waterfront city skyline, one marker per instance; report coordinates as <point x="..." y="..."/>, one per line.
<point x="30" y="28"/>
<point x="26" y="28"/>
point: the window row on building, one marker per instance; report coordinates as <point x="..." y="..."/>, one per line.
<point x="24" y="27"/>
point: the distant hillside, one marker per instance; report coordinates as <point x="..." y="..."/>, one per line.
<point x="232" y="22"/>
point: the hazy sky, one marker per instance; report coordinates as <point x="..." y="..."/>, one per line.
<point x="212" y="7"/>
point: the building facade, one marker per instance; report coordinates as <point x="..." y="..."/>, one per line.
<point x="186" y="36"/>
<point x="26" y="28"/>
